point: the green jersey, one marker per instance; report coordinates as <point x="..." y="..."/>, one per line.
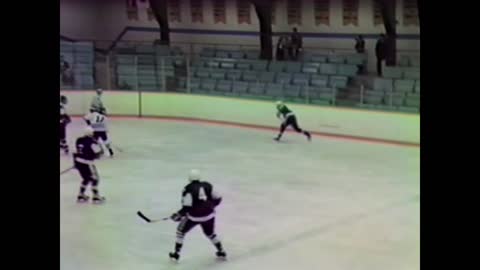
<point x="283" y="110"/>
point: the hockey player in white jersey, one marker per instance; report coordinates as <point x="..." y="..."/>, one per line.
<point x="97" y="104"/>
<point x="98" y="122"/>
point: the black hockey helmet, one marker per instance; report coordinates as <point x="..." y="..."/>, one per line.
<point x="63" y="99"/>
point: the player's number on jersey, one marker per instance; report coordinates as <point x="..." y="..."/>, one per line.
<point x="99" y="119"/>
<point x="201" y="194"/>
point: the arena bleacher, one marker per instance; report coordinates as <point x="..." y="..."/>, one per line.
<point x="320" y="79"/>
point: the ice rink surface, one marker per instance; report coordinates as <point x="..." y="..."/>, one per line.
<point x="330" y="204"/>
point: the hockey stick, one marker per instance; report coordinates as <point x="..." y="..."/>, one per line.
<point x="141" y="215"/>
<point x="67" y="170"/>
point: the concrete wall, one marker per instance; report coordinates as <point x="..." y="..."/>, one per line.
<point x="79" y="19"/>
<point x="112" y="19"/>
<point x="397" y="127"/>
<point x="105" y="20"/>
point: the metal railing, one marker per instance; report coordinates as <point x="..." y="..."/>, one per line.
<point x="158" y="73"/>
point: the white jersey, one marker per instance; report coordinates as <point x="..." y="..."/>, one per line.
<point x="63" y="110"/>
<point x="97" y="121"/>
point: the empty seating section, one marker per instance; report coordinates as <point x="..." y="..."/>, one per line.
<point x="399" y="87"/>
<point x="274" y="79"/>
<point x="409" y="61"/>
<point x="80" y="59"/>
<point x="148" y="67"/>
<point x="318" y="79"/>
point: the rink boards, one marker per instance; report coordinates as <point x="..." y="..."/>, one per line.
<point x="363" y="124"/>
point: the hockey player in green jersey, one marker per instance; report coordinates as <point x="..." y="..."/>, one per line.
<point x="289" y="119"/>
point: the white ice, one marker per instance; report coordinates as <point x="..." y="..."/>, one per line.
<point x="330" y="204"/>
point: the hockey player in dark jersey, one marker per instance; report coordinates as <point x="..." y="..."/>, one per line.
<point x="64" y="121"/>
<point x="198" y="208"/>
<point x="289" y="119"/>
<point x="87" y="150"/>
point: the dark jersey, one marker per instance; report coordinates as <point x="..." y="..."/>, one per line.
<point x="85" y="150"/>
<point x="64" y="117"/>
<point x="199" y="201"/>
<point x="283" y="110"/>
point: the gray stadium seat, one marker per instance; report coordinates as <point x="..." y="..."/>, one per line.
<point x="207" y="85"/>
<point x="240" y="87"/>
<point x="243" y="65"/>
<point x="213" y="64"/>
<point x="203" y="73"/>
<point x="222" y="54"/>
<point x="267" y="77"/>
<point x="250" y="76"/>
<point x="328" y="69"/>
<point x="276" y="66"/>
<point x="224" y="86"/>
<point x="252" y="54"/>
<point x="412" y="102"/>
<point x="415" y="61"/>
<point x="145" y="60"/>
<point x="356" y="59"/>
<point x="412" y="73"/>
<point x="398" y="100"/>
<point x="403" y="85"/>
<point x="234" y="75"/>
<point x="404" y="61"/>
<point x="283" y="77"/>
<point x="373" y="97"/>
<point x="227" y="65"/>
<point x="319" y="80"/>
<point x="392" y="72"/>
<point x="256" y="88"/>
<point x="274" y="89"/>
<point x="292" y="91"/>
<point x="300" y="79"/>
<point x="347" y="70"/>
<point x="237" y="55"/>
<point x="381" y="84"/>
<point x="335" y="58"/>
<point x="259" y="65"/>
<point x="218" y="74"/>
<point x="293" y="67"/>
<point x="311" y="67"/>
<point x="319" y="58"/>
<point x="182" y="82"/>
<point x="195" y="84"/>
<point x="198" y="63"/>
<point x="125" y="59"/>
<point x="338" y="81"/>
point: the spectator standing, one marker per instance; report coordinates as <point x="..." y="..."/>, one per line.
<point x="296" y="43"/>
<point x="279" y="53"/>
<point x="380" y="52"/>
<point x="359" y="44"/>
<point x="66" y="74"/>
<point x="360" y="49"/>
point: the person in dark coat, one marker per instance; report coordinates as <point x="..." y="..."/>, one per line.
<point x="296" y="43"/>
<point x="380" y="52"/>
<point x="360" y="48"/>
<point x="282" y="48"/>
<point x="359" y="44"/>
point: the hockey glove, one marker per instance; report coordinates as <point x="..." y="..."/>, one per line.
<point x="216" y="202"/>
<point x="176" y="217"/>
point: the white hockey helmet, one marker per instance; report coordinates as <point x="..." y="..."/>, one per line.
<point x="88" y="131"/>
<point x="194" y="175"/>
<point x="99" y="91"/>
